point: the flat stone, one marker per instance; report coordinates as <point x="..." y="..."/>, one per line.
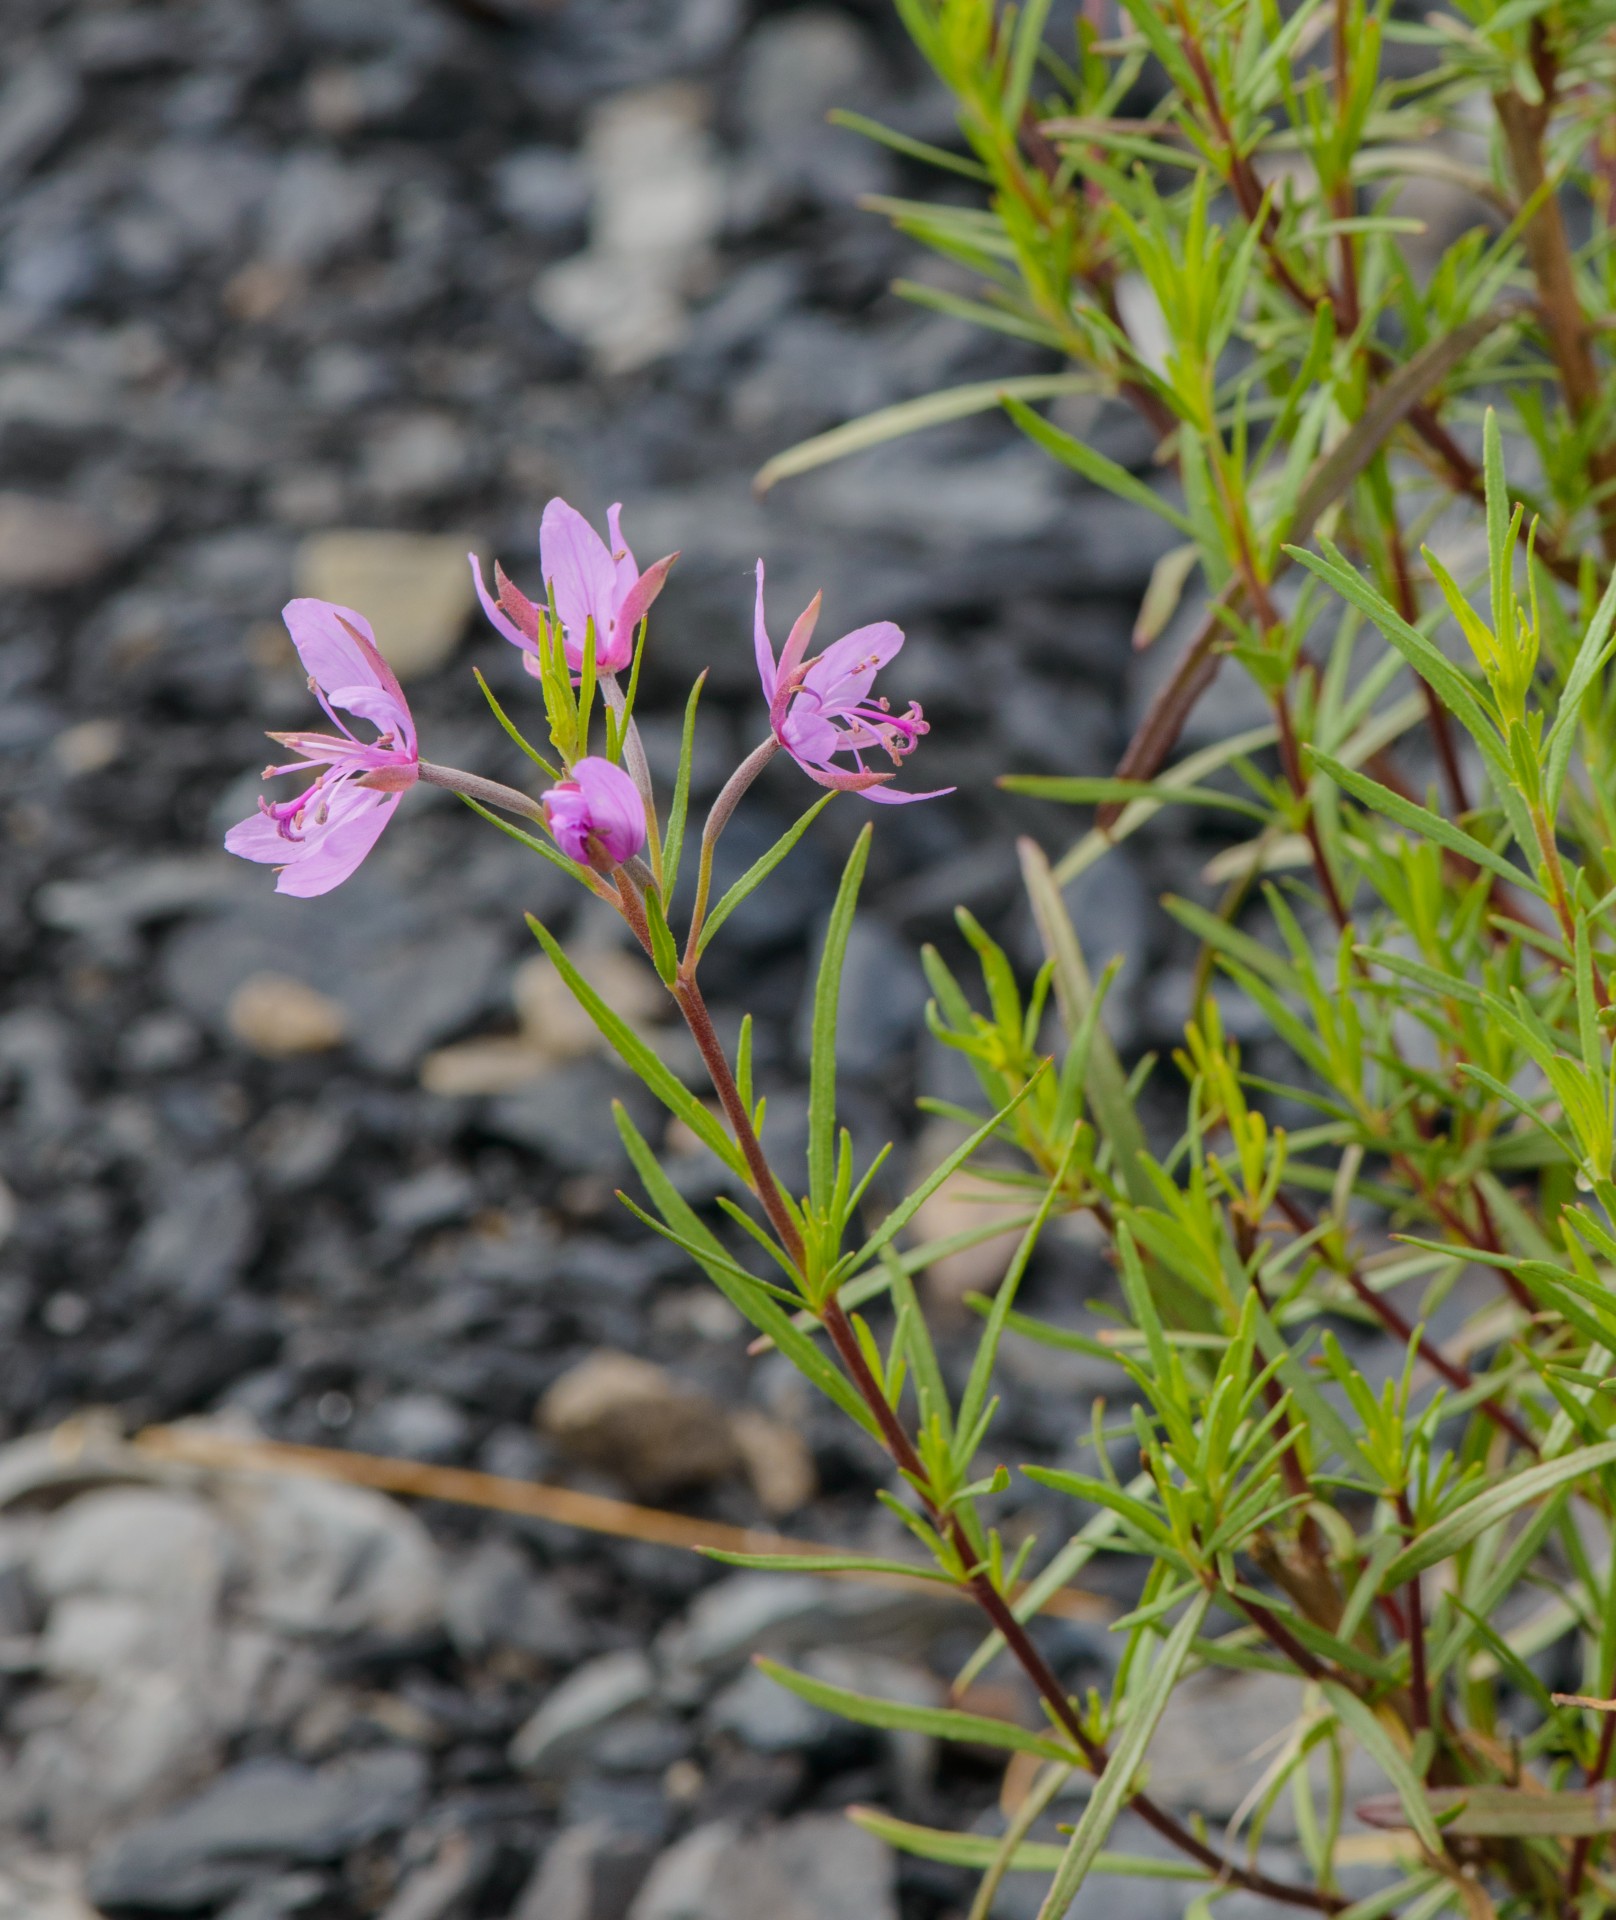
<point x="279" y="1017"/>
<point x="778" y="1461"/>
<point x="260" y="1812"/>
<point x="498" y="1598"/>
<point x="46" y="544"/>
<point x="590" y="1871"/>
<point x="816" y="1867"/>
<point x="324" y="1558"/>
<point x="414" y="588"/>
<point x="639" y="1422"/>
<point x="40" y="1887"/>
<point x="585" y="1702"/>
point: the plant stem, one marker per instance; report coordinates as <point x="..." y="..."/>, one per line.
<point x="1395" y="1322"/>
<point x="1582" y="1852"/>
<point x="718" y="818"/>
<point x="700" y="1022"/>
<point x="1291" y="760"/>
<point x="492" y="793"/>
<point x="1548" y="250"/>
<point x="1419" y="1683"/>
<point x="1021" y="1646"/>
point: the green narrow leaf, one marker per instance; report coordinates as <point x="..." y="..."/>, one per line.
<point x="827" y="995"/>
<point x="1105" y="1083"/>
<point x="978" y="1850"/>
<point x="1115" y="1786"/>
<point x="1421" y="820"/>
<point x="511" y="728"/>
<point x="975" y="1395"/>
<point x="759" y="871"/>
<point x="633" y="1051"/>
<point x="664" y="954"/>
<point x="1379" y="1745"/>
<point x="913" y="416"/>
<point x="943" y="1723"/>
<point x="748" y="1299"/>
<point x="1094" y="466"/>
<point x="1494" y="1503"/>
<point x="678" y="812"/>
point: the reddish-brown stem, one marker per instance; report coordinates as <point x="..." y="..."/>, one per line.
<point x="1395" y="1322"/>
<point x="1282" y="1638"/>
<point x="1022" y="1647"/>
<point x="1290" y="757"/>
<point x="1437" y="717"/>
<point x="1582" y="1852"/>
<point x="700" y="1022"/>
<point x="1414" y="1609"/>
<point x="1524" y="123"/>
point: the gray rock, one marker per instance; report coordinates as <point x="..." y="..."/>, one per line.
<point x="543" y="189"/>
<point x="498" y="1598"/>
<point x="276" y="1899"/>
<point x="782" y="1614"/>
<point x="325" y="1558"/>
<point x="38" y="104"/>
<point x="816" y="1867"/>
<point x="414" y="1426"/>
<point x="567" y="1116"/>
<point x="201" y="1238"/>
<point x="768" y="1718"/>
<point x="588" y="1872"/>
<point x="574" y="1712"/>
<point x="317" y="207"/>
<point x="260" y="1812"/>
<point x="46" y="544"/>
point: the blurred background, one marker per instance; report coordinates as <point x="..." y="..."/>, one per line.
<point x="312" y="295"/>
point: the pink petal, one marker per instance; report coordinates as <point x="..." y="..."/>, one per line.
<point x="890" y="796"/>
<point x="622" y="559"/>
<point x="384" y="712"/>
<point x="845" y="671"/>
<point x="617" y="813"/>
<point x="258" y="838"/>
<point x="330" y="854"/>
<point x="579" y="572"/>
<point x="637" y="601"/>
<point x="760" y="640"/>
<point x="501" y="622"/>
<point x="332" y="656"/>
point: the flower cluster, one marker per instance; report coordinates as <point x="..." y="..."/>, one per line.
<point x="820" y="706"/>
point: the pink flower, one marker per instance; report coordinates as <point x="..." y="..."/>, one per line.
<point x="809" y="698"/>
<point x="320" y="837"/>
<point x="596" y="815"/>
<point x="588" y="581"/>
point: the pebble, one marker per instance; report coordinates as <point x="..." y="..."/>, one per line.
<point x="640" y="1423"/>
<point x="47" y="544"/>
<point x="415" y="589"/>
<point x="815" y="1867"/>
<point x="278" y="1017"/>
<point x="576" y="1711"/>
<point x="259" y="1812"/>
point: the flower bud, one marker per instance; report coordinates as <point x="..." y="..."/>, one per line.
<point x="596" y="815"/>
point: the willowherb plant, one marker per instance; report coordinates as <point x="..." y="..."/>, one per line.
<point x="1198" y="206"/>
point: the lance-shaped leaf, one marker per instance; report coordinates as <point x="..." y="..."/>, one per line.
<point x="822" y="1058"/>
<point x="760" y="870"/>
<point x="1115" y="1786"/>
<point x="1505" y="1813"/>
<point x="634" y="1052"/>
<point x="913" y="416"/>
<point x="978" y="1850"/>
<point x="942" y="1723"/>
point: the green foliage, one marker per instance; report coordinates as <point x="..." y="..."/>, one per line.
<point x="1390" y="458"/>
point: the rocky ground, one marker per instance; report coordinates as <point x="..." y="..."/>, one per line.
<point x="273" y="271"/>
